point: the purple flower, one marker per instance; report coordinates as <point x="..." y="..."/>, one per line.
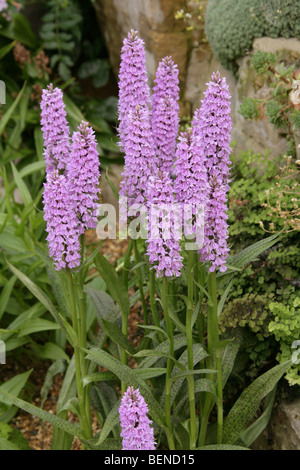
<point x="215" y="249"/>
<point x="84" y="174"/>
<point x="165" y="109"/>
<point x="55" y="129"/>
<point x="62" y="222"/>
<point x="191" y="184"/>
<point x="139" y="157"/>
<point x="213" y="125"/>
<point x="3" y="5"/>
<point x="136" y="431"/>
<point x="133" y="81"/>
<point x="163" y="247"/>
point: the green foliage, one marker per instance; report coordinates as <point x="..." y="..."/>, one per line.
<point x="248" y="310"/>
<point x="61" y="33"/>
<point x="261" y="61"/>
<point x="278" y="105"/>
<point x="70" y="34"/>
<point x="295" y="117"/>
<point x="249" y="109"/>
<point x="270" y="281"/>
<point x="286" y="328"/>
<point x="12" y="436"/>
<point x="231" y="26"/>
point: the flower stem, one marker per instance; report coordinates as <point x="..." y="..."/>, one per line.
<point x="124" y="316"/>
<point x="127" y="263"/>
<point x="208" y="402"/>
<point x="189" y="337"/>
<point x="213" y="282"/>
<point x="140" y="282"/>
<point x="164" y="298"/>
<point x="200" y="318"/>
<point x="85" y="421"/>
<point x="153" y="304"/>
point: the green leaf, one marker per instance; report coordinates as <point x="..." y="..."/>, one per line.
<point x="111" y="184"/>
<point x="116" y="335"/>
<point x="114" y="284"/>
<point x="247" y="404"/>
<point x="110" y="423"/>
<point x="73" y="111"/>
<point x="57" y="287"/>
<point x="58" y="367"/>
<point x="98" y="377"/>
<point x="7" y="116"/>
<point x="229" y="355"/>
<point x="40" y="295"/>
<point x="199" y="354"/>
<point x="5" y="444"/>
<point x="39" y="143"/>
<point x="64" y="71"/>
<point x="6" y="49"/>
<point x="188" y="373"/>
<point x="202" y="385"/>
<point x="223" y="298"/>
<point x="103" y="399"/>
<point x="130" y="377"/>
<point x="152" y="328"/>
<point x="36" y="325"/>
<point x="72" y="429"/>
<point x="105" y="310"/>
<point x="179" y="342"/>
<point x="251" y="253"/>
<point x="5" y="294"/>
<point x="50" y="351"/>
<point x="16" y="384"/>
<point x="255" y="430"/>
<point x="23" y="31"/>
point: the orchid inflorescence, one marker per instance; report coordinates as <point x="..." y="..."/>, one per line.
<point x="161" y="169"/>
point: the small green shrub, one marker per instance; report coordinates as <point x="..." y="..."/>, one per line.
<point x="231" y="26"/>
<point x="286" y="328"/>
<point x="267" y="290"/>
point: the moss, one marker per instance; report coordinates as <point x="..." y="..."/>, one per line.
<point x="231" y="25"/>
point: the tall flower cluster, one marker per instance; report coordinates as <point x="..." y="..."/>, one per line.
<point x="200" y="160"/>
<point x="72" y="179"/>
<point x="139" y="157"/>
<point x="191" y="184"/>
<point x="55" y="129"/>
<point x="62" y="222"/>
<point x="84" y="174"/>
<point x="134" y="120"/>
<point x="213" y="125"/>
<point x="163" y="246"/>
<point x="136" y="431"/>
<point x="134" y="90"/>
<point x="165" y="117"/>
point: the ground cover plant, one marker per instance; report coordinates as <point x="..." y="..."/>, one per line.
<point x="181" y="279"/>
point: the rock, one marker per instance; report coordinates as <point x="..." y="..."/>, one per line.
<point x="285" y="426"/>
<point x="260" y="135"/>
<point x="276" y="45"/>
<point x="201" y="66"/>
<point x="155" y="22"/>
